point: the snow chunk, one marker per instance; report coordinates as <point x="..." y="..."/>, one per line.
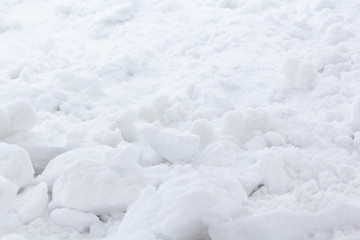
<point x="8" y="192"/>
<point x="173" y="145"/>
<point x="160" y="102"/>
<point x="299" y="75"/>
<point x="15" y="164"/>
<point x="189" y="205"/>
<point x="33" y="203"/>
<point x="15" y="71"/>
<point x="40" y="147"/>
<point x="126" y="124"/>
<point x="63" y="162"/>
<point x="22" y="115"/>
<point x="73" y="218"/>
<point x="90" y="186"/>
<point x="99" y="179"/>
<point x="203" y="129"/>
<point x="149" y="157"/>
<point x="17" y="116"/>
<point x="276" y="178"/>
<point x="234" y="124"/>
<point x="274" y="139"/>
<point x="46" y="103"/>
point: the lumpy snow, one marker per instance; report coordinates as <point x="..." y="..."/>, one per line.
<point x="179" y="119"/>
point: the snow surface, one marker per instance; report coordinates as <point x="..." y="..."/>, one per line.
<point x="179" y="119"/>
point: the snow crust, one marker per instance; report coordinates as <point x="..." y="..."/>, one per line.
<point x="179" y="120"/>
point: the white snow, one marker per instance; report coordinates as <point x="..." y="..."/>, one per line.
<point x="32" y="203"/>
<point x="88" y="186"/>
<point x="179" y="119"/>
<point x="70" y="217"/>
<point x="8" y="192"/>
<point x="17" y="116"/>
<point x="201" y="201"/>
<point x="15" y="164"/>
<point x="234" y="124"/>
<point x="173" y="145"/>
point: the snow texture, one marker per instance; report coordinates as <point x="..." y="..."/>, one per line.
<point x="179" y="120"/>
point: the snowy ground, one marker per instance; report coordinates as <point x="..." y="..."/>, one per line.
<point x="179" y="119"/>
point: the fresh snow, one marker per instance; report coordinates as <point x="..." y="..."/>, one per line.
<point x="179" y="119"/>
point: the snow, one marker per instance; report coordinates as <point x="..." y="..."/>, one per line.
<point x="204" y="130"/>
<point x="234" y="124"/>
<point x="201" y="201"/>
<point x="13" y="237"/>
<point x="89" y="186"/>
<point x="173" y="145"/>
<point x="70" y="217"/>
<point x="17" y="116"/>
<point x="179" y="119"/>
<point x="8" y="192"/>
<point x="32" y="203"/>
<point x="15" y="164"/>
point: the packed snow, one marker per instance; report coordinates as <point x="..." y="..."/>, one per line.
<point x="179" y="119"/>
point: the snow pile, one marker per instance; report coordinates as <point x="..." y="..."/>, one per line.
<point x="179" y="119"/>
